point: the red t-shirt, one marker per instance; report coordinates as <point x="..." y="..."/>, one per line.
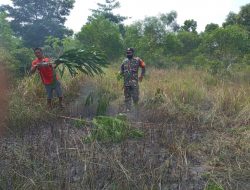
<point x="46" y="72"/>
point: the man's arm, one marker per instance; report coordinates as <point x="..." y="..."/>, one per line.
<point x="143" y="69"/>
<point x="122" y="69"/>
<point x="33" y="68"/>
<point x="36" y="65"/>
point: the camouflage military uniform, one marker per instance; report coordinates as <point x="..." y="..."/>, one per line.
<point x="129" y="70"/>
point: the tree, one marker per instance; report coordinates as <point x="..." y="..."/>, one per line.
<point x="226" y="44"/>
<point x="147" y="37"/>
<point x="104" y="35"/>
<point x="189" y="26"/>
<point x="106" y="11"/>
<point x="211" y="27"/>
<point x="35" y="20"/>
<point x="244" y="16"/>
<point x="133" y="35"/>
<point x="172" y="44"/>
<point x="7" y="38"/>
<point x="189" y="42"/>
<point x="11" y="48"/>
<point x="154" y="30"/>
<point x="169" y="20"/>
<point x="231" y="19"/>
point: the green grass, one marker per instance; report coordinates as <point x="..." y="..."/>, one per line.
<point x="212" y="185"/>
<point x="112" y="129"/>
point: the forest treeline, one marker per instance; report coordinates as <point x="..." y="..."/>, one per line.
<point x="159" y="40"/>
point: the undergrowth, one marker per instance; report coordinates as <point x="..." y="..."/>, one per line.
<point x="193" y="128"/>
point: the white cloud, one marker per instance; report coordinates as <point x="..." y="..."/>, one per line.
<point x="5" y="2"/>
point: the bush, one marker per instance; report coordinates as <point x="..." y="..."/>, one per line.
<point x="112" y="129"/>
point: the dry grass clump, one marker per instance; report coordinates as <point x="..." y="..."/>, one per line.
<point x="227" y="157"/>
<point x="26" y="103"/>
<point x="28" y="100"/>
<point x="186" y="96"/>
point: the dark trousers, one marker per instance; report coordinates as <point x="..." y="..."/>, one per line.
<point x="131" y="93"/>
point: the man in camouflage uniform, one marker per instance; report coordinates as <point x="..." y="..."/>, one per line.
<point x="129" y="70"/>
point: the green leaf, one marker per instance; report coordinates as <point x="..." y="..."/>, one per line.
<point x="88" y="61"/>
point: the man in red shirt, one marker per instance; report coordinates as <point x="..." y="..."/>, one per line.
<point x="48" y="76"/>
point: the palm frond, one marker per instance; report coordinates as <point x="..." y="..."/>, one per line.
<point x="89" y="61"/>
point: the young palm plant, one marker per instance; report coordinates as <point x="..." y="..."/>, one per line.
<point x="89" y="61"/>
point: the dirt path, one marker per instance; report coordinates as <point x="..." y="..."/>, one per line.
<point x="4" y="89"/>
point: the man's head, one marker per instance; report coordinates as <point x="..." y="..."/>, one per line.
<point x="38" y="53"/>
<point x="130" y="53"/>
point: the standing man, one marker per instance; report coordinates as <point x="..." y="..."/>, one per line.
<point x="130" y="70"/>
<point x="48" y="75"/>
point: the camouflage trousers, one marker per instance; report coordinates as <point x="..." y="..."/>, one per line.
<point x="131" y="93"/>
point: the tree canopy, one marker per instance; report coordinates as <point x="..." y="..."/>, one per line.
<point x="34" y="20"/>
<point x="102" y="34"/>
<point x="106" y="11"/>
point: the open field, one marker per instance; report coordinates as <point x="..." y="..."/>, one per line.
<point x="195" y="130"/>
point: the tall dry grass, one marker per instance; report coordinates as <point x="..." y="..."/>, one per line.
<point x="27" y="105"/>
<point x="196" y="128"/>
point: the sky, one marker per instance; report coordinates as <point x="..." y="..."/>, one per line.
<point x="202" y="11"/>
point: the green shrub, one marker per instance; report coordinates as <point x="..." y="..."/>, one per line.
<point x="212" y="185"/>
<point x="112" y="129"/>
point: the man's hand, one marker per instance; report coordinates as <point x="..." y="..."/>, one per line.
<point x="43" y="64"/>
<point x="140" y="78"/>
<point x="33" y="69"/>
<point x="37" y="65"/>
<point x="52" y="63"/>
